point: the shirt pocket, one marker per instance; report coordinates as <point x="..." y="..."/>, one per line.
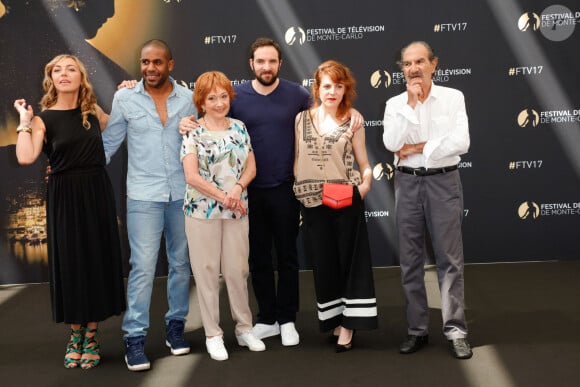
<point x="140" y="121"/>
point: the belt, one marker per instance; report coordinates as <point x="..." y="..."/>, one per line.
<point x="426" y="171"/>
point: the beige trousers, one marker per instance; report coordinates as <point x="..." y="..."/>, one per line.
<point x="220" y="245"/>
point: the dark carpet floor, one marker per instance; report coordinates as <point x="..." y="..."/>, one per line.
<point x="523" y="320"/>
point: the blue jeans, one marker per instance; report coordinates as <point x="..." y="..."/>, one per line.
<point x="146" y="222"/>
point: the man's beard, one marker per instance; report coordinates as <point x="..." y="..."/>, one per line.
<point x="267" y="83"/>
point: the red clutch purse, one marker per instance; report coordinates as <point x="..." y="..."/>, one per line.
<point x="337" y="195"/>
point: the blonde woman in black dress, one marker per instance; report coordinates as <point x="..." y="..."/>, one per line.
<point x="84" y="253"/>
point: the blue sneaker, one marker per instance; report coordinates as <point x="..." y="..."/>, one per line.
<point x="135" y="354"/>
<point x="174" y="338"/>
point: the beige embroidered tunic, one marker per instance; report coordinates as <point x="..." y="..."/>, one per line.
<point x="322" y="158"/>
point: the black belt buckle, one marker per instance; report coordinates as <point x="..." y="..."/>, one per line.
<point x="421" y="171"/>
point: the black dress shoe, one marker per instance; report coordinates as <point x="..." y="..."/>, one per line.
<point x="460" y="348"/>
<point x="413" y="343"/>
<point x="345" y="347"/>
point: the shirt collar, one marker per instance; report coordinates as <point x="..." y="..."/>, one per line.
<point x="434" y="92"/>
<point x="140" y="87"/>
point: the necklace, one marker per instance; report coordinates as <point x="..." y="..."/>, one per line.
<point x="224" y="124"/>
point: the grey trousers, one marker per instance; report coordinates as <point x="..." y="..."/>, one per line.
<point x="434" y="203"/>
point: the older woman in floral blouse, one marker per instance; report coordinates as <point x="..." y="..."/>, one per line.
<point x="219" y="164"/>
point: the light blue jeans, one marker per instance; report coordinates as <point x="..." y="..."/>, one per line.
<point x="146" y="223"/>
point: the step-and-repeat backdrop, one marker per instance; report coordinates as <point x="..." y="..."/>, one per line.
<point x="516" y="62"/>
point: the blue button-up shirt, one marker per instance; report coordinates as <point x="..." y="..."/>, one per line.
<point x="154" y="171"/>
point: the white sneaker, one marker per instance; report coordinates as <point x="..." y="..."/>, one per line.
<point x="289" y="334"/>
<point x="261" y="331"/>
<point x="247" y="339"/>
<point x="216" y="349"/>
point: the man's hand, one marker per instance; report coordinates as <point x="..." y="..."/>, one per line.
<point x="356" y="120"/>
<point x="414" y="92"/>
<point x="187" y="124"/>
<point x="409" y="150"/>
<point x="129" y="84"/>
<point x="47" y="172"/>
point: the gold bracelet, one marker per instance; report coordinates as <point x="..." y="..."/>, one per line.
<point x="240" y="184"/>
<point x="23" y="128"/>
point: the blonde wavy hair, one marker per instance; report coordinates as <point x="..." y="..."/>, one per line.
<point x="87" y="99"/>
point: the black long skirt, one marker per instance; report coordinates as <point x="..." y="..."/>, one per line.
<point x="84" y="251"/>
<point x="336" y="241"/>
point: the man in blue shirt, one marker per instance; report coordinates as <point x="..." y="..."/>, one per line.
<point x="148" y="116"/>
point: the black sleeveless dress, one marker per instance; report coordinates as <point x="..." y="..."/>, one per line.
<point x="84" y="251"/>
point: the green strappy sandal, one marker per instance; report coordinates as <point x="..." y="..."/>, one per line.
<point x="91" y="347"/>
<point x="74" y="346"/>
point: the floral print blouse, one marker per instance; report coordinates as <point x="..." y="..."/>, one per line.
<point x="222" y="158"/>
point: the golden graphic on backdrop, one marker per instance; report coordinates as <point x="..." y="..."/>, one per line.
<point x="380" y="78"/>
<point x="528" y="117"/>
<point x="528" y="210"/>
<point x="383" y="170"/>
<point x="135" y="24"/>
<point x="293" y="35"/>
<point x="529" y="21"/>
<point x="26" y="232"/>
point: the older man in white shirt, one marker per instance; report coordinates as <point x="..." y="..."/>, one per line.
<point x="427" y="129"/>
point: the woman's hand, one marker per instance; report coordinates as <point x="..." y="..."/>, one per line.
<point x="26" y="113"/>
<point x="364" y="189"/>
<point x="233" y="201"/>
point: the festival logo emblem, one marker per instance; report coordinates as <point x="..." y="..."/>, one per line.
<point x="528" y="117"/>
<point x="558" y="22"/>
<point x="295" y="34"/>
<point x="529" y="21"/>
<point x="383" y="170"/>
<point x="380" y="78"/>
<point x="528" y="210"/>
